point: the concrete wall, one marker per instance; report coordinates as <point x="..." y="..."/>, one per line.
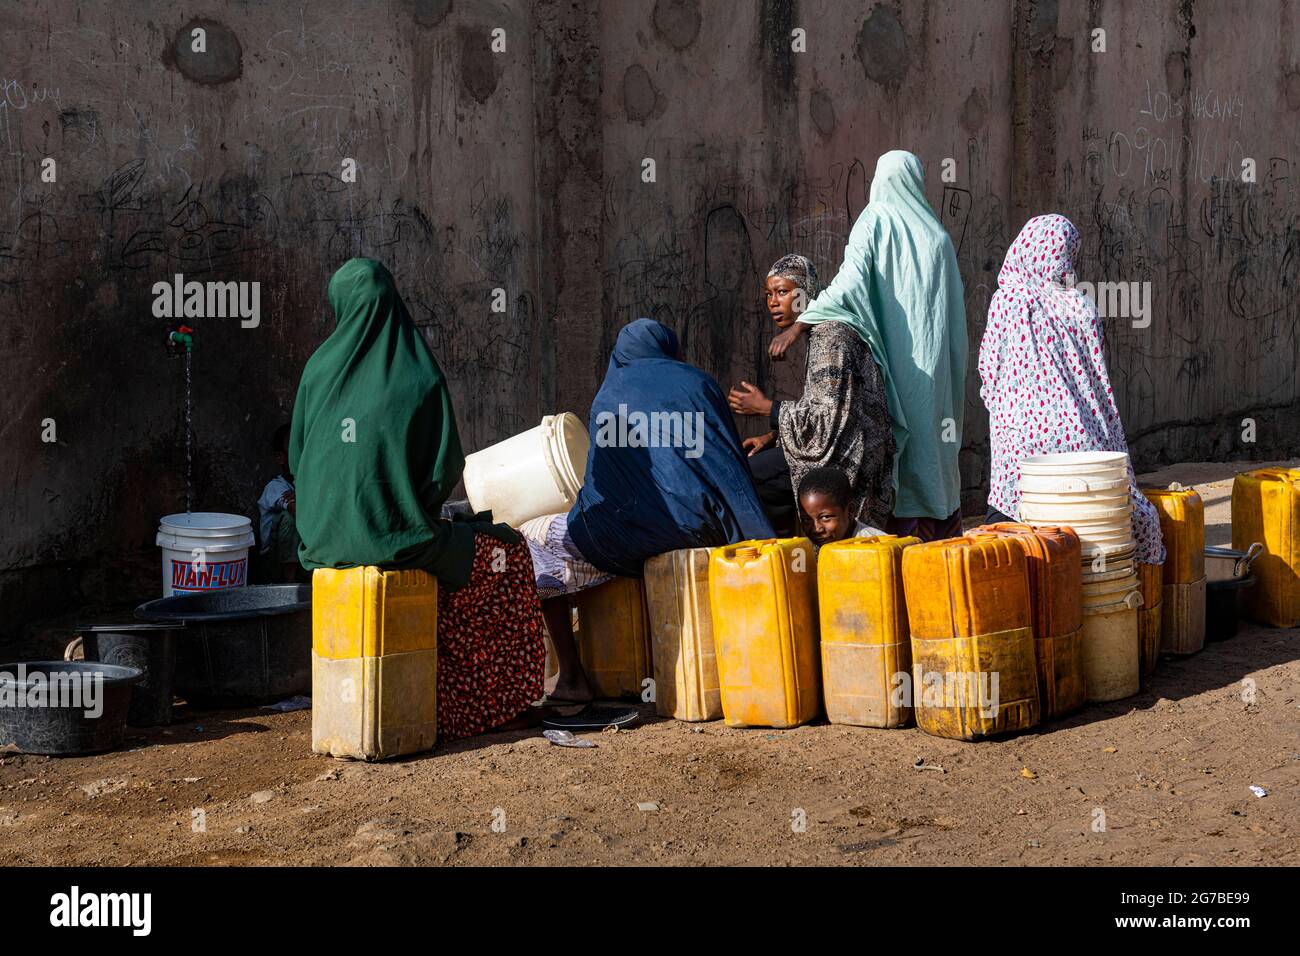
<point x="523" y="170"/>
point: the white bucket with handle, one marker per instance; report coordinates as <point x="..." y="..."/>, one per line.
<point x="1093" y="465"/>
<point x="204" y="551"/>
<point x="1073" y="514"/>
<point x="1072" y="484"/>
<point x="538" y="472"/>
<point x="1100" y="499"/>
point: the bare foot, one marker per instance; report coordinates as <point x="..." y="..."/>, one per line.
<point x="570" y="685"/>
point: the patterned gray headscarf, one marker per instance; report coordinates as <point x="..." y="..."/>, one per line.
<point x="799" y="270"/>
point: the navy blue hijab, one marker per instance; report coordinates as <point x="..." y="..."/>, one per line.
<point x="665" y="470"/>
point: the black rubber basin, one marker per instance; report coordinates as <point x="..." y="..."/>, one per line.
<point x="240" y="647"/>
<point x="64" y="708"/>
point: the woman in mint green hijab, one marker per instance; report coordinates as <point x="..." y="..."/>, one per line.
<point x="900" y="290"/>
<point x="374" y="452"/>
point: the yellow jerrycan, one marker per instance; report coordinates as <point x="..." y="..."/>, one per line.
<point x="1266" y="508"/>
<point x="974" y="669"/>
<point x="865" y="642"/>
<point x="764" y="600"/>
<point x="614" y="637"/>
<point x="374" y="665"/>
<point x="1182" y="607"/>
<point x="681" y="635"/>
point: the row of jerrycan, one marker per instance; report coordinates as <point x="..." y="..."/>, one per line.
<point x="1003" y="600"/>
<point x="1265" y="509"/>
<point x="978" y="635"/>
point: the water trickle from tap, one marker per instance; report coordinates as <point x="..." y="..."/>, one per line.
<point x="189" y="440"/>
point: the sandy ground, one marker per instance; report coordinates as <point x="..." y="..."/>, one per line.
<point x="1162" y="778"/>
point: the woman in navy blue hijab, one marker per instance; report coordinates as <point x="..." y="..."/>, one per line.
<point x="665" y="471"/>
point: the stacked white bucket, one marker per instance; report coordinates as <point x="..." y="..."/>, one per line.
<point x="1089" y="492"/>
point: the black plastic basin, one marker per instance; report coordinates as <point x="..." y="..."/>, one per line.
<point x="149" y="647"/>
<point x="59" y="722"/>
<point x="242" y="646"/>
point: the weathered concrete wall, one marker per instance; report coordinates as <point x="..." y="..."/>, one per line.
<point x="523" y="170"/>
<point x="229" y="168"/>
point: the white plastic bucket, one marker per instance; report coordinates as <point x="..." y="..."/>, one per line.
<point x="1106" y="561"/>
<point x="538" y="472"/>
<point x="1110" y="592"/>
<point x="1075" y="514"/>
<point x="1102" y="559"/>
<point x="1103" y="533"/>
<point x="1112" y="572"/>
<point x="1111" y="653"/>
<point x="1100" y="465"/>
<point x="1110" y="546"/>
<point x="1071" y="484"/>
<point x="204" y="551"/>
<point x="1099" y="499"/>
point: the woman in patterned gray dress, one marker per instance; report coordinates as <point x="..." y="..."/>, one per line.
<point x="841" y="420"/>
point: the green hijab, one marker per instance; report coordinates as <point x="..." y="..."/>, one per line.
<point x="900" y="289"/>
<point x="373" y="448"/>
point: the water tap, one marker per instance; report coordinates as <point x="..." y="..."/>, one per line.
<point x="181" y="337"/>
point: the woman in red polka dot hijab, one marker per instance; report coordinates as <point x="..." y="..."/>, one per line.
<point x="1043" y="372"/>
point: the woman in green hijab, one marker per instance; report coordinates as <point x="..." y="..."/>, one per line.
<point x="375" y="452"/>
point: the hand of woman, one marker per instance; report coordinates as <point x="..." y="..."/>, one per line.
<point x="781" y="343"/>
<point x="758" y="443"/>
<point x="748" y="400"/>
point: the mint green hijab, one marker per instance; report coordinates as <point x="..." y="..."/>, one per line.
<point x="900" y="290"/>
<point x="373" y="447"/>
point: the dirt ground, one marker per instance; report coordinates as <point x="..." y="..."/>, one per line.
<point x="1162" y="778"/>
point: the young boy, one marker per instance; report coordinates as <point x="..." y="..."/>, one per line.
<point x="276" y="510"/>
<point x="824" y="497"/>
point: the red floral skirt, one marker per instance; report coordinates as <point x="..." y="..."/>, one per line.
<point x="491" y="655"/>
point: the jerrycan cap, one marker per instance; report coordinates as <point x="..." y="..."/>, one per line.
<point x="857" y="542"/>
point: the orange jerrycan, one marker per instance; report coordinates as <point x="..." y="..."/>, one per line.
<point x="614" y="637"/>
<point x="1052" y="556"/>
<point x="1266" y="508"/>
<point x="374" y="665"/>
<point x="973" y="665"/>
<point x="1151" y="584"/>
<point x="1182" y="525"/>
<point x="865" y="642"/>
<point x="681" y="635"/>
<point x="764" y="600"/>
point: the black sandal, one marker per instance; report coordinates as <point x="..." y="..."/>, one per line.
<point x="595" y="718"/>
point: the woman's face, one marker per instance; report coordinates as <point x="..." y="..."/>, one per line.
<point x="785" y="301"/>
